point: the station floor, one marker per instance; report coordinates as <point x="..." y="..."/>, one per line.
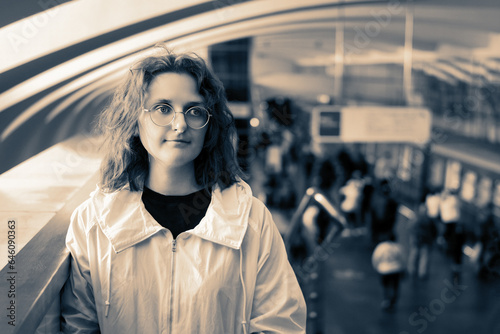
<point x="347" y="293"/>
<point x="350" y="295"/>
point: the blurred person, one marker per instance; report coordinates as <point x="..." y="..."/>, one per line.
<point x="489" y="238"/>
<point x="366" y="199"/>
<point x="352" y="193"/>
<point x="308" y="161"/>
<point x="325" y="180"/>
<point x="346" y="165"/>
<point x="432" y="204"/>
<point x="172" y="239"/>
<point x="286" y="193"/>
<point x="326" y="174"/>
<point x="383" y="213"/>
<point x="454" y="234"/>
<point x="264" y="140"/>
<point x="383" y="169"/>
<point x="389" y="262"/>
<point x="423" y="232"/>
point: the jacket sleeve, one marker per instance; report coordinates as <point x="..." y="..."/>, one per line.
<point x="78" y="311"/>
<point x="278" y="303"/>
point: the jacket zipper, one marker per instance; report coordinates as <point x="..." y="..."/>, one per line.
<point x="170" y="316"/>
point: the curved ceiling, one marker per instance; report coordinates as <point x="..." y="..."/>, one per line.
<point x="59" y="62"/>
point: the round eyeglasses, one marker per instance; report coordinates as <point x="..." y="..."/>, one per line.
<point x="163" y="114"/>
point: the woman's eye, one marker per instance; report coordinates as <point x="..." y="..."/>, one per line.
<point x="195" y="112"/>
<point x="162" y="108"/>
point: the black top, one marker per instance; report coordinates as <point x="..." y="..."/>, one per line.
<point x="177" y="213"/>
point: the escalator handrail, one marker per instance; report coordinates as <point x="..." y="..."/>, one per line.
<point x="315" y="195"/>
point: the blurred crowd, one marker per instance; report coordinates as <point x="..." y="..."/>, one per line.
<point x="363" y="193"/>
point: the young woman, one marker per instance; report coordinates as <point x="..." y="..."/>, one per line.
<point x="173" y="241"/>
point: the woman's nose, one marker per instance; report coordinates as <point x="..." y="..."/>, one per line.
<point x="179" y="123"/>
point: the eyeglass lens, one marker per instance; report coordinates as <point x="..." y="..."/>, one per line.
<point x="163" y="114"/>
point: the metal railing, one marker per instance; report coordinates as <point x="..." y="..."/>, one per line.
<point x="307" y="268"/>
<point x="41" y="270"/>
<point x="314" y="195"/>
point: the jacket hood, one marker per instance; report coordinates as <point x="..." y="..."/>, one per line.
<point x="124" y="220"/>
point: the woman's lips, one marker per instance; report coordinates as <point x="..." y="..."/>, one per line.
<point x="178" y="140"/>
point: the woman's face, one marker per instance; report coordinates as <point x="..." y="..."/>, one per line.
<point x="174" y="145"/>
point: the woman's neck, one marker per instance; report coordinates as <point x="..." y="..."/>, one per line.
<point x="172" y="180"/>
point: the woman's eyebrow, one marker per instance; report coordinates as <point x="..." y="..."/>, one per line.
<point x="165" y="101"/>
<point x="186" y="105"/>
<point x="193" y="104"/>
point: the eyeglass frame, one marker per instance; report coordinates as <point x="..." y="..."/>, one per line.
<point x="180" y="112"/>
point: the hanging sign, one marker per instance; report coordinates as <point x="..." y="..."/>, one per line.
<point x="333" y="124"/>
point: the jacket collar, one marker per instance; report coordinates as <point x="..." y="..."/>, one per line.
<point x="125" y="221"/>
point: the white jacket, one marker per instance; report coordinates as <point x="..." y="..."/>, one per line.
<point x="230" y="274"/>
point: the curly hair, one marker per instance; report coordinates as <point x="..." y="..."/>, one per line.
<point x="125" y="162"/>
